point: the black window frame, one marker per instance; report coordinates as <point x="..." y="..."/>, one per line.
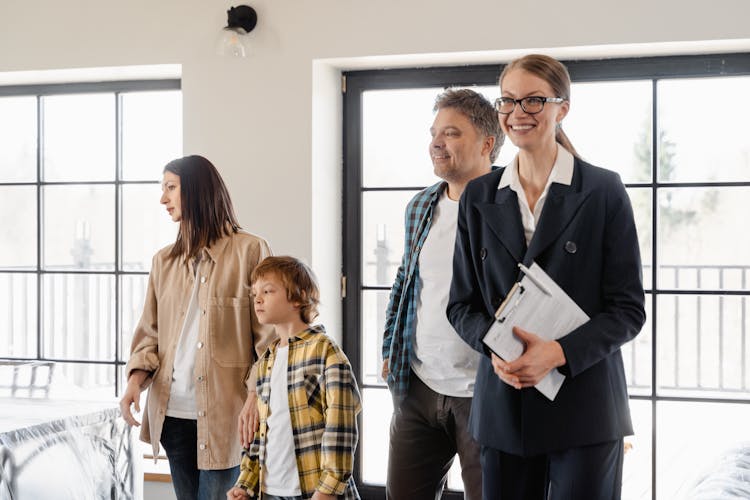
<point x="39" y="91"/>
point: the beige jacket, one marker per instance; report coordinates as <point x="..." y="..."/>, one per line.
<point x="230" y="340"/>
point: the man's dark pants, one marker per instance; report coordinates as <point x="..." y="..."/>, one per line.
<point x="427" y="431"/>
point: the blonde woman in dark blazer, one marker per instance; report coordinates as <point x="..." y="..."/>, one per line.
<point x="575" y="220"/>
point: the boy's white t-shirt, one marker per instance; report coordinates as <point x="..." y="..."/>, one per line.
<point x="281" y="477"/>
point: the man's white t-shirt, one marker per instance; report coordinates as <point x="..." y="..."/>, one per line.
<point x="443" y="361"/>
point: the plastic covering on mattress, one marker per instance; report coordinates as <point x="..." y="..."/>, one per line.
<point x="728" y="478"/>
<point x="65" y="449"/>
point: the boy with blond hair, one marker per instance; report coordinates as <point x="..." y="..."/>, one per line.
<point x="308" y="398"/>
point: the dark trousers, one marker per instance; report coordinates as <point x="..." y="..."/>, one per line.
<point x="179" y="437"/>
<point x="427" y="430"/>
<point x="590" y="472"/>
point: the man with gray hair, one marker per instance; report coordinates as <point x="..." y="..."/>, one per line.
<point x="429" y="369"/>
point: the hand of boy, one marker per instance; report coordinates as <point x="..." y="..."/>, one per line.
<point x="322" y="496"/>
<point x="237" y="494"/>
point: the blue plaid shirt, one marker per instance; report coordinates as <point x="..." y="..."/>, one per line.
<point x="402" y="306"/>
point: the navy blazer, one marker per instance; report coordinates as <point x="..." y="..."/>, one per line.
<point x="586" y="241"/>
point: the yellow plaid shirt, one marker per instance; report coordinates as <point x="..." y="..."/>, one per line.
<point x="324" y="402"/>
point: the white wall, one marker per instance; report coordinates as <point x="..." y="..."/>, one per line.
<point x="153" y="490"/>
<point x="271" y="122"/>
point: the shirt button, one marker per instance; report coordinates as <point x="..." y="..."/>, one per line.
<point x="202" y="446"/>
<point x="203" y="279"/>
<point x="200" y="378"/>
<point x="201" y="413"/>
<point x="200" y="345"/>
<point x="204" y="312"/>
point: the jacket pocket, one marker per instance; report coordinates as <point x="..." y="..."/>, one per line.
<point x="230" y="332"/>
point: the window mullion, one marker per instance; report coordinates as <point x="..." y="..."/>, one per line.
<point x="39" y="219"/>
<point x="654" y="273"/>
<point x="118" y="228"/>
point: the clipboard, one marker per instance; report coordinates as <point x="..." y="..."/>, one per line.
<point x="537" y="304"/>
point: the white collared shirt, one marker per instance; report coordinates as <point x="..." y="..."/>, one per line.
<point x="562" y="173"/>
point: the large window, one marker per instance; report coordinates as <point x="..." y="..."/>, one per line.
<point x="80" y="167"/>
<point x="674" y="129"/>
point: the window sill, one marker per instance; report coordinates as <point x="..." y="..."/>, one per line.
<point x="156" y="472"/>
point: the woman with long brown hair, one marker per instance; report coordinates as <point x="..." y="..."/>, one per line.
<point x="198" y="336"/>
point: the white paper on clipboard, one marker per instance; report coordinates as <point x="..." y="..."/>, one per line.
<point x="538" y="305"/>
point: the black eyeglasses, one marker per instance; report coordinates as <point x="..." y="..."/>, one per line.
<point x="531" y="105"/>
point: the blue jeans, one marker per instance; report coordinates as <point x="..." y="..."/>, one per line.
<point x="179" y="437"/>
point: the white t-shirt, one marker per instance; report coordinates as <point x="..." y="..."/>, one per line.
<point x="443" y="361"/>
<point x="281" y="477"/>
<point x="181" y="402"/>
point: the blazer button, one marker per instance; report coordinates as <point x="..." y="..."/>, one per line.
<point x="483" y="253"/>
<point x="570" y="247"/>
